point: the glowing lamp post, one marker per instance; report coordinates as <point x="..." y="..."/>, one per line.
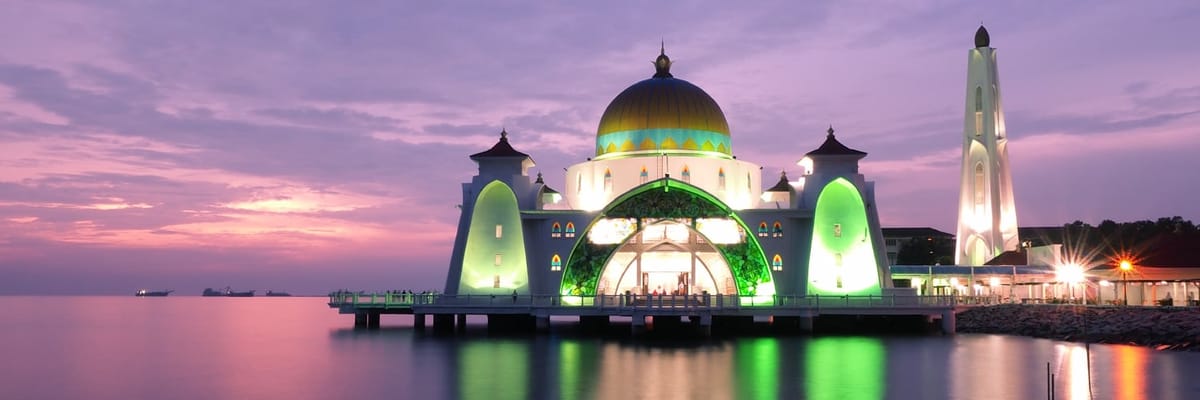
<point x="1125" y="266"/>
<point x="1070" y="274"/>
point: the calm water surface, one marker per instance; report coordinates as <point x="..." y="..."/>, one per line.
<point x="296" y="348"/>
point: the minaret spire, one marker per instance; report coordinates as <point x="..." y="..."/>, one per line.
<point x="982" y="39"/>
<point x="987" y="216"/>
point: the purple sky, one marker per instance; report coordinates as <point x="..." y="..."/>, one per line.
<point x="187" y="144"/>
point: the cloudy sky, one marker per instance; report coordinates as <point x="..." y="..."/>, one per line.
<point x="308" y="146"/>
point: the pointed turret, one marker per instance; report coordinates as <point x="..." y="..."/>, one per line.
<point x="783" y="185"/>
<point x="987" y="216"/>
<point x="503" y="159"/>
<point x="546" y="194"/>
<point x="982" y="39"/>
<point x="832" y="147"/>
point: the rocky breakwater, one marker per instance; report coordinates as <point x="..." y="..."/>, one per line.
<point x="1159" y="327"/>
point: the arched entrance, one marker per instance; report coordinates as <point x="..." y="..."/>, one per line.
<point x="668" y="256"/>
<point x="652" y="235"/>
<point x="977" y="250"/>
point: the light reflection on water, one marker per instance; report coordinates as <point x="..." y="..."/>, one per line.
<point x="197" y="348"/>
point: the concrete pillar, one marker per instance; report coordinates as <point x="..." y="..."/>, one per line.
<point x="461" y="323"/>
<point x="594" y="323"/>
<point x="373" y="320"/>
<point x="360" y="319"/>
<point x="706" y="325"/>
<point x="639" y="324"/>
<point x="806" y="324"/>
<point x="949" y="323"/>
<point x="419" y="321"/>
<point x="542" y="323"/>
<point x="443" y="323"/>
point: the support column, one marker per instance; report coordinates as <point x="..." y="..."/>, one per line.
<point x="373" y="320"/>
<point x="419" y="321"/>
<point x="949" y="323"/>
<point x="443" y="323"/>
<point x="639" y="324"/>
<point x="706" y="325"/>
<point x="360" y="319"/>
<point x="594" y="323"/>
<point x="542" y="323"/>
<point x="461" y="323"/>
<point x="806" y="324"/>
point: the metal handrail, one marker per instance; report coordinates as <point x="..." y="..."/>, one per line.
<point x="645" y="302"/>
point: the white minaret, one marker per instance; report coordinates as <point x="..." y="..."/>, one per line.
<point x="987" y="217"/>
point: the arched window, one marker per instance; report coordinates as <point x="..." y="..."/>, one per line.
<point x="556" y="263"/>
<point x="644" y="176"/>
<point x="578" y="183"/>
<point x="978" y="111"/>
<point x="777" y="263"/>
<point x="979" y="187"/>
<point x="570" y="232"/>
<point x="687" y="174"/>
<point x="762" y="229"/>
<point x="748" y="190"/>
<point x="978" y="99"/>
<point x="996" y="109"/>
<point x="721" y="179"/>
<point x="607" y="181"/>
<point x="777" y="230"/>
<point x="556" y="230"/>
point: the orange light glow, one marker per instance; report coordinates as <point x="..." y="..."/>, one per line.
<point x="1129" y="375"/>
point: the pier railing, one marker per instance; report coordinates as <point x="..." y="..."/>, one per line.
<point x="633" y="301"/>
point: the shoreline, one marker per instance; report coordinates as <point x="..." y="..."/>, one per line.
<point x="1160" y="328"/>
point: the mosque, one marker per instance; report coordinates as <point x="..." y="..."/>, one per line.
<point x="664" y="207"/>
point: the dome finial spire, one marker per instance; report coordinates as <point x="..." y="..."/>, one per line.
<point x="830" y="131"/>
<point x="662" y="65"/>
<point x="503" y="133"/>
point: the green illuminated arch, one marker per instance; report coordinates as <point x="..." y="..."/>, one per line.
<point x="842" y="261"/>
<point x="668" y="198"/>
<point x="491" y="264"/>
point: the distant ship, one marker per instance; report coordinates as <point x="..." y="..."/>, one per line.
<point x="226" y="292"/>
<point x="277" y="294"/>
<point x="152" y="293"/>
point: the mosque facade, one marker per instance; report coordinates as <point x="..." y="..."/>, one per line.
<point x="664" y="207"/>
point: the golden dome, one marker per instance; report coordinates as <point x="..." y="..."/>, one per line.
<point x="663" y="113"/>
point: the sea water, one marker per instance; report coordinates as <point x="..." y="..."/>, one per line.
<point x="297" y="348"/>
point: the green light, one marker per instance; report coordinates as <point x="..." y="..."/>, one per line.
<point x="494" y="369"/>
<point x="578" y="369"/>
<point x="845" y="368"/>
<point x="746" y="260"/>
<point x="481" y="273"/>
<point x="757" y="368"/>
<point x="843" y="260"/>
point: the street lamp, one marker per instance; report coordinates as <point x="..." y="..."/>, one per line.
<point x="1071" y="274"/>
<point x="1125" y="266"/>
